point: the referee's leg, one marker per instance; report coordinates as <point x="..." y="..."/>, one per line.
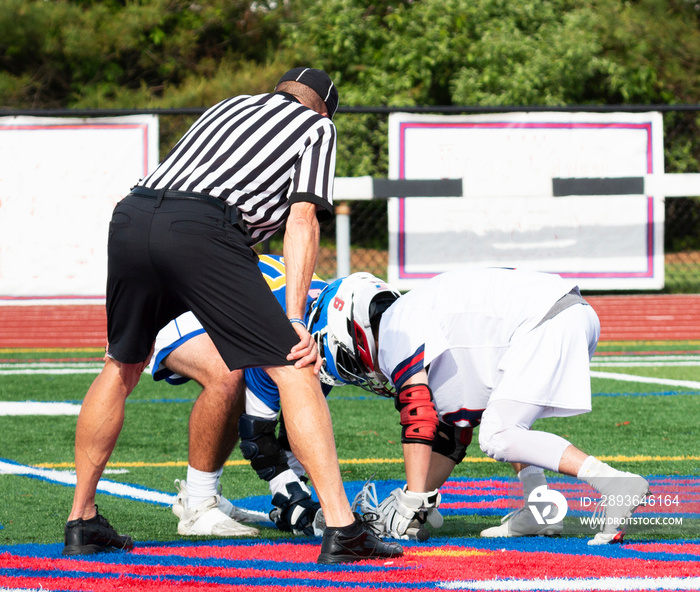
<point x="132" y="302"/>
<point x="310" y="431"/>
<point x="99" y="423"/>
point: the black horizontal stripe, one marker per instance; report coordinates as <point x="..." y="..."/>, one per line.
<point x="562" y="187"/>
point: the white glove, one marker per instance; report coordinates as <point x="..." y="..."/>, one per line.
<point x="404" y="513"/>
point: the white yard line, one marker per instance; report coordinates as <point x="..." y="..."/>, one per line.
<point x="121" y="490"/>
<point x="645" y="361"/>
<point x="50" y="368"/>
<point x="36" y="408"/>
<point x="646" y="379"/>
<point x="50" y="371"/>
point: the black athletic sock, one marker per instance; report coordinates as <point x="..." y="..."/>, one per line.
<point x="352" y="529"/>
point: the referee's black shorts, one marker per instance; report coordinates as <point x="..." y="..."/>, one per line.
<point x="183" y="255"/>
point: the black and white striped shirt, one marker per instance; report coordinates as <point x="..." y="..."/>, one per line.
<point x="260" y="153"/>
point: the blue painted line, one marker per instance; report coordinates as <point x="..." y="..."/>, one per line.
<point x="647" y="394"/>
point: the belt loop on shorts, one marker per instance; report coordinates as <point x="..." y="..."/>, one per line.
<point x="231" y="212"/>
<point x="233" y="215"/>
<point x="160" y="196"/>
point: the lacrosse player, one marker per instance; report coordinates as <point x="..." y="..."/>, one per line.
<point x="499" y="348"/>
<point x="183" y="351"/>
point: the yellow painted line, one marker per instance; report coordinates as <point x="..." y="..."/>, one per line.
<point x="449" y="553"/>
<point x="602" y="344"/>
<point x="129" y="465"/>
<point x="658" y="342"/>
<point x="370" y="461"/>
<point x="364" y="461"/>
<point x="646" y="458"/>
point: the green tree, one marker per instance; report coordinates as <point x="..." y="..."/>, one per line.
<point x="85" y="53"/>
<point x="172" y="53"/>
<point x="494" y="52"/>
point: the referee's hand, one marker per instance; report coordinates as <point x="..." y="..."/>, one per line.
<point x="306" y="351"/>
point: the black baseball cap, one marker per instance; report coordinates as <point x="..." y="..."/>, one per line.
<point x="319" y="82"/>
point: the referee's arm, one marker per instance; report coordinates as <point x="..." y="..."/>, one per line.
<point x="301" y="242"/>
<point x="311" y="195"/>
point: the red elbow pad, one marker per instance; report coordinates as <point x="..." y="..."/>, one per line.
<point x="419" y="417"/>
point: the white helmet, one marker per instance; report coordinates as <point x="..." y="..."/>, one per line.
<point x="342" y="320"/>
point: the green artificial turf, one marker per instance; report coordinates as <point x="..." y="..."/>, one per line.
<point x="629" y="420"/>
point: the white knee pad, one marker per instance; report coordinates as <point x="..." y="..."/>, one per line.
<point x="492" y="438"/>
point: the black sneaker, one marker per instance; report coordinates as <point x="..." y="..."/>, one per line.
<point x="359" y="544"/>
<point x="85" y="537"/>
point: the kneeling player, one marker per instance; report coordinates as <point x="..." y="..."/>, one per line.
<point x="184" y="351"/>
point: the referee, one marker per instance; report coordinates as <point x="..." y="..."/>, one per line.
<point x="181" y="240"/>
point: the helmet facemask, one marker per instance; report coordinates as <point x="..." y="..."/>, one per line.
<point x="348" y="314"/>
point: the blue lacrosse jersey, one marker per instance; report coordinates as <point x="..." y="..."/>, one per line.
<point x="186" y="326"/>
<point x="257" y="380"/>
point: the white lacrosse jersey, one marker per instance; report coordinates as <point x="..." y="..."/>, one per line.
<point x="458" y="326"/>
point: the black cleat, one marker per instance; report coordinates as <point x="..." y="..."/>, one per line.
<point x="360" y="544"/>
<point x="85" y="537"/>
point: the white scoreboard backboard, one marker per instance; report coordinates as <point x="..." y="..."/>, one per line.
<point x="508" y="215"/>
<point x="60" y="178"/>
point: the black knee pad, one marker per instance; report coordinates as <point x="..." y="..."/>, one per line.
<point x="259" y="445"/>
<point x="452" y="442"/>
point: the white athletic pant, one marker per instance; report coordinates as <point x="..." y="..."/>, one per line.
<point x="258" y="408"/>
<point x="505" y="435"/>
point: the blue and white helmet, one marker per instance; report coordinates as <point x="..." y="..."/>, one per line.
<point x="342" y="320"/>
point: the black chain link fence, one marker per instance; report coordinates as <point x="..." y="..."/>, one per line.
<point x="682" y="245"/>
<point x="369" y="220"/>
<point x="369" y="246"/>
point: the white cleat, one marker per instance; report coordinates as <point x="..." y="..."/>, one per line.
<point x="631" y="493"/>
<point x="181" y="499"/>
<point x="238" y="514"/>
<point x="519" y="523"/>
<point x="208" y="520"/>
